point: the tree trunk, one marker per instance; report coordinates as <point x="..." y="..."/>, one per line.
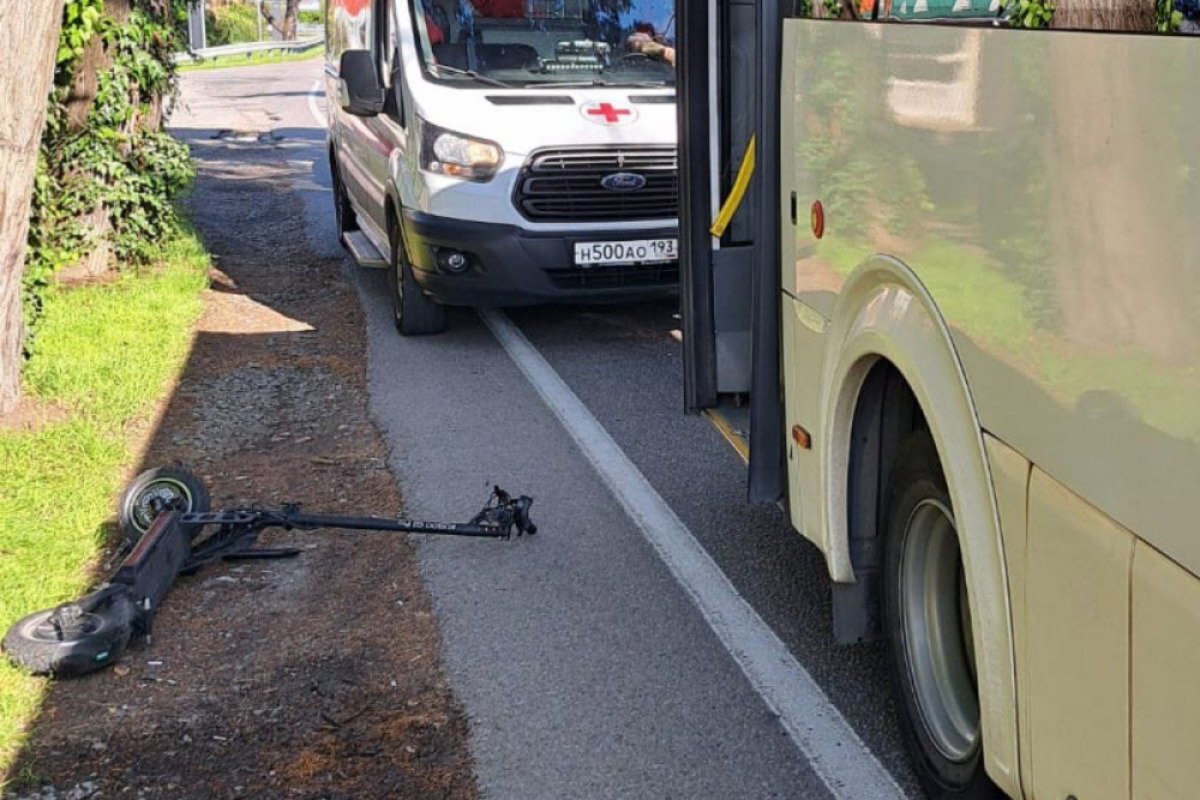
<point x="28" y="43"/>
<point x="86" y="77"/>
<point x="1105" y="15"/>
<point x="286" y="26"/>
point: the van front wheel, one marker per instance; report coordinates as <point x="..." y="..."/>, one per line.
<point x="415" y="313"/>
<point x="927" y="620"/>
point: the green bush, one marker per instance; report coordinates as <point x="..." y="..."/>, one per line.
<point x="310" y="17"/>
<point x="231" y="24"/>
<point x="120" y="163"/>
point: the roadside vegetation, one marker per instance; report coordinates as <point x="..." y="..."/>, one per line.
<point x="231" y="24"/>
<point x="106" y="354"/>
<point x="108" y="173"/>
<point x="236" y="21"/>
<point x="111" y="286"/>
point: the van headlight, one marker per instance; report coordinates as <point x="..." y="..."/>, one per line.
<point x="450" y="153"/>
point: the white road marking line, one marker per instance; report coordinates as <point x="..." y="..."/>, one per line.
<point x="315" y="91"/>
<point x="838" y="756"/>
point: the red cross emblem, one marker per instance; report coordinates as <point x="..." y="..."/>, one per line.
<point x="607" y="114"/>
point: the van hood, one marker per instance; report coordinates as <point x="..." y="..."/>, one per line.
<point x="521" y="120"/>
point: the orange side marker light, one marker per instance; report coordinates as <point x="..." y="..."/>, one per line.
<point x="817" y="217"/>
<point x="801" y="438"/>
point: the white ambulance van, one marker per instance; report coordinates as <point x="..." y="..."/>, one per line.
<point x="505" y="152"/>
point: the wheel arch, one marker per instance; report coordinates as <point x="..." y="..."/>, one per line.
<point x="393" y="224"/>
<point x="391" y="213"/>
<point x="880" y="334"/>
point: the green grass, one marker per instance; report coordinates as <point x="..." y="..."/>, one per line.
<point x="251" y="59"/>
<point x="105" y="355"/>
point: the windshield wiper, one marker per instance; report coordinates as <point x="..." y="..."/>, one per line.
<point x="470" y="73"/>
<point x="596" y="82"/>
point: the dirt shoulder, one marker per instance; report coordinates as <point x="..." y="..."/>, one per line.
<point x="316" y="677"/>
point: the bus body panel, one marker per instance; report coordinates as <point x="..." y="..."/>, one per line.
<point x="1034" y="195"/>
<point x="1010" y="479"/>
<point x="804" y="336"/>
<point x="1078" y="571"/>
<point x="1166" y="661"/>
<point x="1045" y="195"/>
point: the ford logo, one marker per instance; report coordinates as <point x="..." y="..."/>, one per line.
<point x="623" y="182"/>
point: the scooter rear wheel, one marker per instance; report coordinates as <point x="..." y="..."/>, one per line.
<point x="84" y="643"/>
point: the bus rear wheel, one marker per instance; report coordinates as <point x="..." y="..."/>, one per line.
<point x="928" y="626"/>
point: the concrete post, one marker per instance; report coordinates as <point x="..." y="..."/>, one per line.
<point x="197" y="36"/>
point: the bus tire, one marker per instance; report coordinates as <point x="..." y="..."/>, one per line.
<point x="927" y="622"/>
<point x="414" y="312"/>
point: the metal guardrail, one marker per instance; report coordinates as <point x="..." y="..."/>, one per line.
<point x="245" y="48"/>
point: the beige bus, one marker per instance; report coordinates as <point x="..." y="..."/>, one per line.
<point x="987" y="250"/>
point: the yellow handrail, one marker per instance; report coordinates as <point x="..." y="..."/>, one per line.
<point x="740" y="185"/>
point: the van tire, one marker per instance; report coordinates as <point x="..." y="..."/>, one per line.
<point x="927" y="625"/>
<point x="413" y="311"/>
<point x="344" y="217"/>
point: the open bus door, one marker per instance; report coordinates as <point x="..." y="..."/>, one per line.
<point x="728" y="97"/>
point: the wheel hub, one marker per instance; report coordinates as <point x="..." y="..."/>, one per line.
<point x="63" y="625"/>
<point x="937" y="631"/>
<point x="156" y="497"/>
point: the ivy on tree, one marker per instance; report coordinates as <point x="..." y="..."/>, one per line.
<point x="108" y="174"/>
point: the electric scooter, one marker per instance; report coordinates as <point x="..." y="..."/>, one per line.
<point x="169" y="530"/>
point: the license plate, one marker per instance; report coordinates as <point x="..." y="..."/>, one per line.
<point x="637" y="251"/>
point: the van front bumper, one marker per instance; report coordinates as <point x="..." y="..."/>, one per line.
<point x="510" y="266"/>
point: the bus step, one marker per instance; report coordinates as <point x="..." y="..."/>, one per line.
<point x="734" y="426"/>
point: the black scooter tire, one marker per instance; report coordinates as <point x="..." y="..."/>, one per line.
<point x="132" y="517"/>
<point x="68" y="658"/>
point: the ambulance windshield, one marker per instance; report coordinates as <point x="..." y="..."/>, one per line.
<point x="548" y="42"/>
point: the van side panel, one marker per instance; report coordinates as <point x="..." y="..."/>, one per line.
<point x="350" y="26"/>
<point x="1043" y="188"/>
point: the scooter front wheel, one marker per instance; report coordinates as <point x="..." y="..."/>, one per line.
<point x="157" y="490"/>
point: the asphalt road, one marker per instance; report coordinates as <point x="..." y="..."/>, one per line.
<point x="588" y="664"/>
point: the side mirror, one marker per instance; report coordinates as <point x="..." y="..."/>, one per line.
<point x="359" y="89"/>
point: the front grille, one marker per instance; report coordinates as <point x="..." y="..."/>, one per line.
<point x="564" y="185"/>
<point x="615" y="277"/>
